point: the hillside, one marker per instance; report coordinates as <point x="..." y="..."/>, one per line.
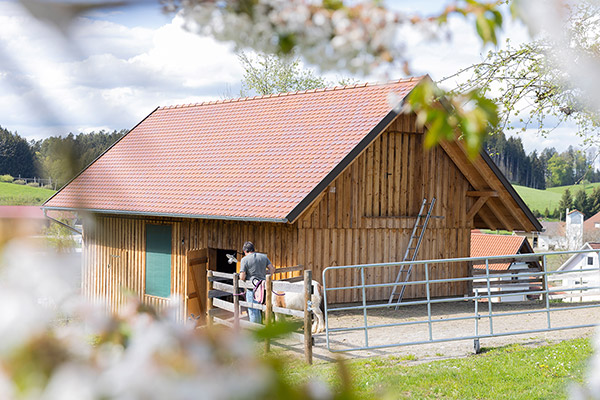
<point x="21" y="195"/>
<point x="540" y="199"/>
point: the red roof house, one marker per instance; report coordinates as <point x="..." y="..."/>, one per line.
<point x="489" y="245"/>
<point x="318" y="178"/>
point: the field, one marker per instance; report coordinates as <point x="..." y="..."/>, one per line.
<point x="12" y="195"/>
<point x="540" y="199"/>
<point x="510" y="372"/>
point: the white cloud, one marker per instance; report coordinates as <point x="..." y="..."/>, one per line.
<point x="106" y="76"/>
<point x="115" y="71"/>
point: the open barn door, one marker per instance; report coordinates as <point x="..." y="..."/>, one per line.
<point x="197" y="261"/>
<point x="200" y="261"/>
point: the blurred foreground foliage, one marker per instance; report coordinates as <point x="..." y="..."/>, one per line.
<point x="57" y="345"/>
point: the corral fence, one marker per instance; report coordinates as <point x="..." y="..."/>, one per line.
<point x="537" y="295"/>
<point x="226" y="302"/>
<point x="40" y="181"/>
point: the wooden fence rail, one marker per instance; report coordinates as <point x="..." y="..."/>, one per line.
<point x="217" y="289"/>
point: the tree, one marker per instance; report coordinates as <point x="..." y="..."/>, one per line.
<point x="566" y="201"/>
<point x="560" y="172"/>
<point x="16" y="158"/>
<point x="528" y="83"/>
<point x="270" y="74"/>
<point x="581" y="203"/>
<point x="594" y="201"/>
<point x="61" y="158"/>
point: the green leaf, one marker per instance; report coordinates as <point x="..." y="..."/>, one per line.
<point x="277" y="330"/>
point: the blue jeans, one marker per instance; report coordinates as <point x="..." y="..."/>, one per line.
<point x="254" y="315"/>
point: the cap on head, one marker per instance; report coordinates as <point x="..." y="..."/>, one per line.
<point x="249" y="247"/>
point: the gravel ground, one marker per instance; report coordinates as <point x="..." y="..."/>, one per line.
<point x="446" y="328"/>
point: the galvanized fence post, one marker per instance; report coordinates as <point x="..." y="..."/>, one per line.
<point x="546" y="291"/>
<point x="489" y="292"/>
<point x="364" y="302"/>
<point x="428" y="301"/>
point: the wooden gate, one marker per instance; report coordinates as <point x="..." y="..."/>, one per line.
<point x="197" y="265"/>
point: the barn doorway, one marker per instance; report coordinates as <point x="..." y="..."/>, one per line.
<point x="222" y="261"/>
<point x="199" y="261"/>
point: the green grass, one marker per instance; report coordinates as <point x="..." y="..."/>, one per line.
<point x="21" y="195"/>
<point x="511" y="372"/>
<point x="540" y="199"/>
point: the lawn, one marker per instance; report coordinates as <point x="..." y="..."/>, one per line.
<point x="511" y="372"/>
<point x="13" y="195"/>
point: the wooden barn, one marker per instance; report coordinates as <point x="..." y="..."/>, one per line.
<point x="315" y="178"/>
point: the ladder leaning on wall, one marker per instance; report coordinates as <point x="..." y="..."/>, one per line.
<point x="411" y="251"/>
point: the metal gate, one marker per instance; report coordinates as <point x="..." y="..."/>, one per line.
<point x="478" y="314"/>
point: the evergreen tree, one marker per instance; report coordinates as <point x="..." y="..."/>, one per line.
<point x="594" y="201"/>
<point x="566" y="201"/>
<point x="581" y="203"/>
<point x="16" y="157"/>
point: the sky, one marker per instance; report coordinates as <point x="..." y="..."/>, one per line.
<point x="114" y="67"/>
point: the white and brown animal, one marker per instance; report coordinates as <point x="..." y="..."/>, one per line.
<point x="295" y="301"/>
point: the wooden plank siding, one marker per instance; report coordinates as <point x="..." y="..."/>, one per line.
<point x="373" y="221"/>
<point x="365" y="215"/>
<point x="108" y="236"/>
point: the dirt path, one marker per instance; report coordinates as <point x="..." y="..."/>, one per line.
<point x="447" y="323"/>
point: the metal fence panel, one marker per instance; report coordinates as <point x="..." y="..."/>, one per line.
<point x="479" y="313"/>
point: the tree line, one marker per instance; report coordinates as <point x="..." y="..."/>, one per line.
<point x="581" y="201"/>
<point x="58" y="158"/>
<point x="547" y="169"/>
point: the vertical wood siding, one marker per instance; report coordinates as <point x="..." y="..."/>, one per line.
<point x="114" y="254"/>
<point x="367" y="214"/>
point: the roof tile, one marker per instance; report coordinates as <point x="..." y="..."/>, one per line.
<point x="488" y="245"/>
<point x="246" y="158"/>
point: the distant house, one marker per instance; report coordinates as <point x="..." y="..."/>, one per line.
<point x="488" y="245"/>
<point x="591" y="228"/>
<point x="552" y="237"/>
<point x="559" y="235"/>
<point x="577" y="264"/>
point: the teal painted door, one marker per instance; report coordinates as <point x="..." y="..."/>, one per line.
<point x="158" y="260"/>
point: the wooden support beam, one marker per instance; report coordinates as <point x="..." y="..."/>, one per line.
<point x="476" y="207"/>
<point x="482" y="193"/>
<point x="498" y="213"/>
<point x="491" y="225"/>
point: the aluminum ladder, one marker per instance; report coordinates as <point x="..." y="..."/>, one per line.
<point x="411" y="251"/>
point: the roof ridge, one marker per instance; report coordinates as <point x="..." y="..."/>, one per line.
<point x="299" y="92"/>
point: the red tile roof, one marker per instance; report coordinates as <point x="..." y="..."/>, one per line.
<point x="589" y="224"/>
<point x="487" y="245"/>
<point x="254" y="158"/>
<point x="595" y="246"/>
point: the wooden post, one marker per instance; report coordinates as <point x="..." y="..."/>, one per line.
<point x="236" y="301"/>
<point x="209" y="300"/>
<point x="269" y="307"/>
<point x="307" y="317"/>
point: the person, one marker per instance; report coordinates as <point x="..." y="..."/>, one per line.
<point x="254" y="266"/>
